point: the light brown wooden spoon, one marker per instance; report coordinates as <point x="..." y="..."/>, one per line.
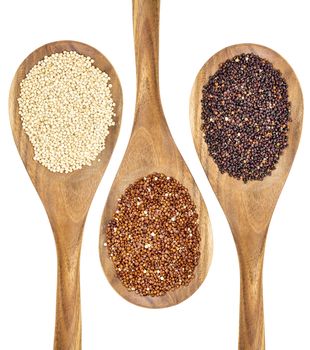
<point x="248" y="207"/>
<point x="66" y="197"/>
<point x="152" y="149"/>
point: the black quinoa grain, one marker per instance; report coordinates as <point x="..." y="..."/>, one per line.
<point x="245" y="116"/>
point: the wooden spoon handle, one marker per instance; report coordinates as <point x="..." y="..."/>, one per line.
<point x="68" y="309"/>
<point x="251" y="328"/>
<point x="146" y="37"/>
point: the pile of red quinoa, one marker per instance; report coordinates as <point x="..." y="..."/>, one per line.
<point x="153" y="237"/>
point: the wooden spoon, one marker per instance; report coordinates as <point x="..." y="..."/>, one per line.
<point x="66" y="197"/>
<point x="248" y="207"/>
<point x="152" y="149"/>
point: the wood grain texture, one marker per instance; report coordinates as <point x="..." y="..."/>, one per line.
<point x="248" y="207"/>
<point x="66" y="197"/>
<point x="152" y="149"/>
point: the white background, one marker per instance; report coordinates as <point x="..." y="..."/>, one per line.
<point x="190" y="32"/>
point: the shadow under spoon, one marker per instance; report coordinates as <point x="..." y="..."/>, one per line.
<point x="66" y="197"/>
<point x="248" y="207"/>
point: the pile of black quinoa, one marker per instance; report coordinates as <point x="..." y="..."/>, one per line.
<point x="245" y="116"/>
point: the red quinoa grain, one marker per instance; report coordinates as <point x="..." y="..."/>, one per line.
<point x="153" y="237"/>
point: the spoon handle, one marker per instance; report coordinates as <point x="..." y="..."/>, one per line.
<point x="251" y="327"/>
<point x="146" y="38"/>
<point x="68" y="309"/>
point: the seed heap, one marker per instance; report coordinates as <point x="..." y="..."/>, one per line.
<point x="245" y="115"/>
<point x="66" y="108"/>
<point x="153" y="237"/>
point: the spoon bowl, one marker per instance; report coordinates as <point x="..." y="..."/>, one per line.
<point x="152" y="149"/>
<point x="248" y="207"/>
<point x="66" y="197"/>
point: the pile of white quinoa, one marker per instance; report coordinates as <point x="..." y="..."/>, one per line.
<point x="66" y="108"/>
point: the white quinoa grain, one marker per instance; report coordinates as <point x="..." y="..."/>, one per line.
<point x="66" y="108"/>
